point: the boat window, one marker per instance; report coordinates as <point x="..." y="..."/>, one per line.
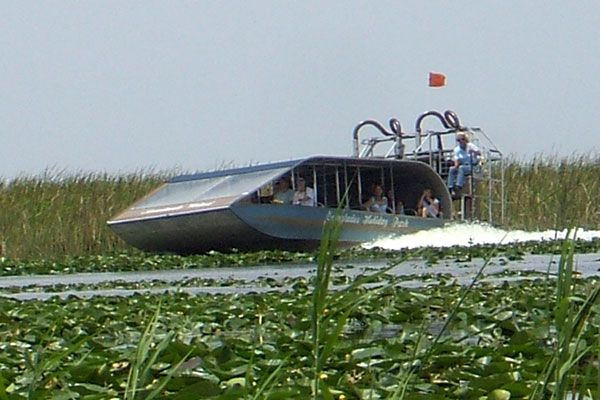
<point x="209" y="188"/>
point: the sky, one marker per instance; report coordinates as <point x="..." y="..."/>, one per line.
<point x="130" y="86"/>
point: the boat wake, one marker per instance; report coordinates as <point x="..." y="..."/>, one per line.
<point x="471" y="234"/>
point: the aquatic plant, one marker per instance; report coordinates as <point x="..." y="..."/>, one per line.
<point x="53" y="215"/>
<point x="57" y="214"/>
<point x="552" y="192"/>
<point x="140" y="380"/>
<point x="138" y="261"/>
<point x="570" y="316"/>
<point x="260" y="345"/>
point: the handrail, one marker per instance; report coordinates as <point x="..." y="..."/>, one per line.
<point x="435" y="148"/>
<point x="449" y="120"/>
<point x="433" y="114"/>
<point x="395" y="128"/>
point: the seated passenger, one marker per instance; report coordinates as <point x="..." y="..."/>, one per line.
<point x="465" y="156"/>
<point x="377" y="202"/>
<point x="283" y="194"/>
<point x="265" y="193"/>
<point x="304" y="196"/>
<point x="399" y="204"/>
<point x="429" y="206"/>
<point x="400" y="207"/>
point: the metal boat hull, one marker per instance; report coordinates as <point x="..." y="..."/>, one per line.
<point x="248" y="227"/>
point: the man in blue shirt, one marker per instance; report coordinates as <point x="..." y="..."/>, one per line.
<point x="465" y="156"/>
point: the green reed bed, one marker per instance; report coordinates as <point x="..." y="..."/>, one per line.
<point x="51" y="216"/>
<point x="54" y="216"/>
<point x="552" y="192"/>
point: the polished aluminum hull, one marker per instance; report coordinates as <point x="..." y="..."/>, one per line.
<point x="248" y="227"/>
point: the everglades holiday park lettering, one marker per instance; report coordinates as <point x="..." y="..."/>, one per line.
<point x="370" y="219"/>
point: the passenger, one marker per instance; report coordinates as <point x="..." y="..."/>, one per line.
<point x="465" y="156"/>
<point x="399" y="204"/>
<point x="429" y="206"/>
<point x="400" y="207"/>
<point x="283" y="193"/>
<point x="265" y="193"/>
<point x="377" y="202"/>
<point x="304" y="196"/>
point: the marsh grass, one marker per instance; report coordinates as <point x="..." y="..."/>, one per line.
<point x="276" y="354"/>
<point x="51" y="216"/>
<point x="565" y="375"/>
<point x="406" y="374"/>
<point x="330" y="311"/>
<point x="43" y="368"/>
<point x="331" y="235"/>
<point x="140" y="380"/>
<point x="58" y="214"/>
<point x="552" y="192"/>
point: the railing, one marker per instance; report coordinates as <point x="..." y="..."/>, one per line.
<point x="485" y="197"/>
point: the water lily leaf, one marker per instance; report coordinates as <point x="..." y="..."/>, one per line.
<point x="504" y="315"/>
<point x="449" y="360"/>
<point x="273" y="362"/>
<point x="499" y="394"/>
<point x="518" y="389"/>
<point x="369" y="352"/>
<point x="63" y="395"/>
<point x="497" y="367"/>
<point x="235" y="367"/>
<point x="284" y="394"/>
<point x="491" y="382"/>
<point x="93" y="388"/>
<point x="241" y="381"/>
<point x="520" y="337"/>
<point x="199" y="390"/>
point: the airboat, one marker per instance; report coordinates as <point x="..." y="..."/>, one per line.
<point x="233" y="208"/>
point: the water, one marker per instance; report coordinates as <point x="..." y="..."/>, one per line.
<point x="251" y="279"/>
<point x="473" y="234"/>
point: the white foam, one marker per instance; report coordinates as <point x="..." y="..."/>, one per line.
<point x="469" y="234"/>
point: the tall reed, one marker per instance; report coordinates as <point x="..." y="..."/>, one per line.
<point x="552" y="192"/>
<point x="330" y="311"/>
<point x="140" y="379"/>
<point x="53" y="215"/>
<point x="570" y="319"/>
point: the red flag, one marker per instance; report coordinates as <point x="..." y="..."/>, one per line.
<point x="436" y="79"/>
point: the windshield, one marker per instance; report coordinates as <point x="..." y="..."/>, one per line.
<point x="209" y="188"/>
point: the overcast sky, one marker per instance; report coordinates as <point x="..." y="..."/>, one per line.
<point x="122" y="86"/>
